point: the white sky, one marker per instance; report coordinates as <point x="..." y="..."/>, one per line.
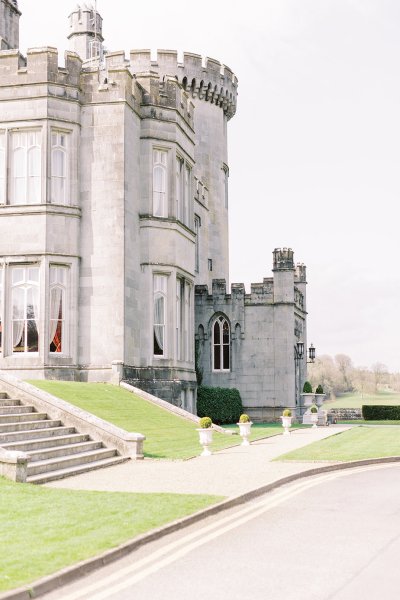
<point x="314" y="149"/>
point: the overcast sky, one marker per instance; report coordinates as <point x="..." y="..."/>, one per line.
<point x="313" y="149"/>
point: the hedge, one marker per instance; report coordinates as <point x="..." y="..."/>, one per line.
<point x="223" y="405"/>
<point x="376" y="412"/>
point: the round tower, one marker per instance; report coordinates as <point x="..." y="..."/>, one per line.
<point x="86" y="32"/>
<point x="212" y="87"/>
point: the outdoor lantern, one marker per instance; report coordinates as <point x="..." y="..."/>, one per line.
<point x="311" y="353"/>
<point x="300" y="349"/>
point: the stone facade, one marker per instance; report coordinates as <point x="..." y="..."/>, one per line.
<point x="113" y="206"/>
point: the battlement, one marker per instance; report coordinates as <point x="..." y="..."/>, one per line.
<point x="39" y="66"/>
<point x="283" y="259"/>
<point x="301" y="273"/>
<point x="9" y="24"/>
<point x="203" y="78"/>
<point x="261" y="293"/>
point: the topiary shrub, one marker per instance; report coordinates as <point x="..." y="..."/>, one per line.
<point x="223" y="405"/>
<point x="314" y="409"/>
<point x="307" y="388"/>
<point x="319" y="389"/>
<point x="287" y="413"/>
<point x="205" y="423"/>
<point x="244" y="418"/>
<point x="380" y="413"/>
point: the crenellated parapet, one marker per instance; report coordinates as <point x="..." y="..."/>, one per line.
<point x="283" y="259"/>
<point x="39" y="66"/>
<point x="203" y="78"/>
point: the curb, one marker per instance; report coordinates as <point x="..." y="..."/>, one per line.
<point x="69" y="574"/>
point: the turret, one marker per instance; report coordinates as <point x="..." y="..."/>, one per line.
<point x="86" y="32"/>
<point x="9" y="24"/>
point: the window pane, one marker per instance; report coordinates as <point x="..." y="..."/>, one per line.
<point x="217" y="358"/>
<point x="226" y="357"/>
<point x="58" y="278"/>
<point x="1" y="308"/>
<point x="2" y="168"/>
<point x="217" y="333"/>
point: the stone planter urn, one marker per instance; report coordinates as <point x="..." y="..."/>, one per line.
<point x="286" y="423"/>
<point x="205" y="435"/>
<point x="308" y="399"/>
<point x="245" y="432"/>
<point x="319" y="399"/>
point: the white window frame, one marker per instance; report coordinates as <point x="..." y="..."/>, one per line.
<point x="25" y="152"/>
<point x="60" y="282"/>
<point x="160" y="291"/>
<point x="220" y="320"/>
<point x="25" y="283"/>
<point x="3" y="167"/>
<point x="160" y="196"/>
<point x="1" y="309"/>
<point x="64" y="150"/>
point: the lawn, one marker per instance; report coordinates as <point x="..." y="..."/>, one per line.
<point x="44" y="530"/>
<point x="167" y="435"/>
<point x="355" y="444"/>
<point x="357" y="400"/>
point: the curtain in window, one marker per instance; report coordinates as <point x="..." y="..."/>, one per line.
<point x="58" y="168"/>
<point x="159" y="189"/>
<point x="18" y="312"/>
<point x="56" y="296"/>
<point x="159" y="322"/>
<point x="2" y="168"/>
<point x="34" y="175"/>
<point x="1" y="308"/>
<point x="26" y="167"/>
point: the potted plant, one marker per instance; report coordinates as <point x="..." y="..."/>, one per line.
<point x="286" y="420"/>
<point x="308" y="396"/>
<point x="319" y="395"/>
<point x="205" y="435"/>
<point x="314" y="415"/>
<point x="245" y="428"/>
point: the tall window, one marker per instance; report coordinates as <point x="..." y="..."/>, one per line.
<point x="184" y="334"/>
<point x="59" y="167"/>
<point x="160" y="183"/>
<point x="26" y="167"/>
<point x="178" y="188"/>
<point x="25" y="308"/>
<point x="58" y="285"/>
<point x="221" y="344"/>
<point x="197" y="224"/>
<point x="1" y="309"/>
<point x="187" y="195"/>
<point x="160" y="311"/>
<point x="2" y="167"/>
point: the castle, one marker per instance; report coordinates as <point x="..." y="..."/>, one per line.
<point x="114" y="227"/>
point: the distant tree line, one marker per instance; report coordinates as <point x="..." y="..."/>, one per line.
<point x="338" y="375"/>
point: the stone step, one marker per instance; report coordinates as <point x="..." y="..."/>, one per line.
<point x="26" y="426"/>
<point x="69" y="472"/>
<point x="56" y="464"/>
<point x="16" y="410"/>
<point x="22" y="417"/>
<point x="45" y="454"/>
<point x="35" y="434"/>
<point x="10" y="402"/>
<point x="56" y="440"/>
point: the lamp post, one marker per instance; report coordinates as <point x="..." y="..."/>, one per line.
<point x="298" y="356"/>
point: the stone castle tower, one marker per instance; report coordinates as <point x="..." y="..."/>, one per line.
<point x="9" y="24"/>
<point x="114" y="179"/>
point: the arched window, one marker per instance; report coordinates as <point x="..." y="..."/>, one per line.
<point x="160" y="197"/>
<point x="221" y="340"/>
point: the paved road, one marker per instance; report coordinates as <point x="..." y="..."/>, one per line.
<point x="332" y="537"/>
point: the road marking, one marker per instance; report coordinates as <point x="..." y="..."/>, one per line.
<point x="111" y="584"/>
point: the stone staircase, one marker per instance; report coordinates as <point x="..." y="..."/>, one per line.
<point x="55" y="451"/>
